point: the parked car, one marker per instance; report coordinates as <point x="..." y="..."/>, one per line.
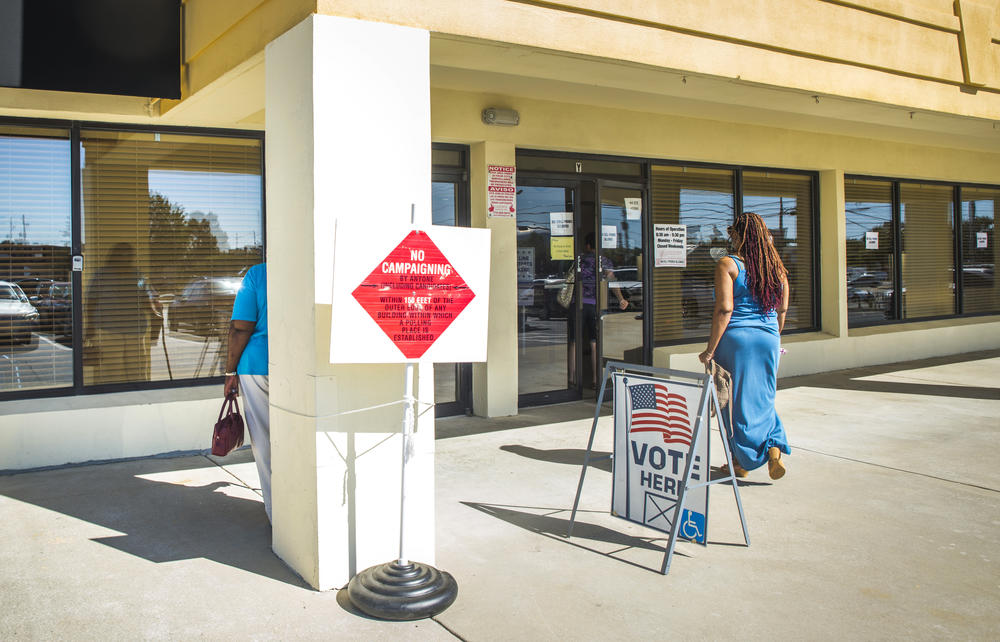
<point x="205" y="306"/>
<point x="18" y="318"/>
<point x="54" y="302"/>
<point x="629" y="282"/>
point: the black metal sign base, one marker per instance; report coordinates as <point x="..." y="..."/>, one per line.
<point x="395" y="591"/>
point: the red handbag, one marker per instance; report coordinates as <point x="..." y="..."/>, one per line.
<point x="228" y="433"/>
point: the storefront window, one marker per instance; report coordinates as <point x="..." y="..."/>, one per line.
<point x="927" y="234"/>
<point x="170" y="224"/>
<point x="784" y="201"/>
<point x="870" y="251"/>
<point x="701" y="200"/>
<point x="980" y="289"/>
<point x="36" y="298"/>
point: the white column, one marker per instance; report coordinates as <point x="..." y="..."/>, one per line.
<point x="494" y="383"/>
<point x="348" y="137"/>
<point x="833" y="253"/>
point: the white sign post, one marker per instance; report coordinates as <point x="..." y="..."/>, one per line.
<point x="403" y="296"/>
<point x="661" y="452"/>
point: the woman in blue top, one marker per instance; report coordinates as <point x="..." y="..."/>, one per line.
<point x="751" y="297"/>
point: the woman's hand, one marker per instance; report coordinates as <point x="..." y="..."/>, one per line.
<point x="232" y="386"/>
<point x="623" y="303"/>
<point x="706" y="356"/>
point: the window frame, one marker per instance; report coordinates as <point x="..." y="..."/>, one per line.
<point x="77" y="388"/>
<point x="646" y="164"/>
<point x="897" y="233"/>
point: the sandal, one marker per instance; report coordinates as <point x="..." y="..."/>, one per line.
<point x="775" y="468"/>
<point x="740" y="471"/>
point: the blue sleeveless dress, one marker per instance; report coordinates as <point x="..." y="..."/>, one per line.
<point x="749" y="350"/>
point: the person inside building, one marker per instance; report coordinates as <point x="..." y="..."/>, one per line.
<point x="751" y="298"/>
<point x="587" y="275"/>
<point x="246" y="369"/>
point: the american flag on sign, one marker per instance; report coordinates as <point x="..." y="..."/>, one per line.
<point x="656" y="410"/>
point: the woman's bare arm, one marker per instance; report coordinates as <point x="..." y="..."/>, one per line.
<point x="725" y="275"/>
<point x="783" y="308"/>
<point x="239" y="335"/>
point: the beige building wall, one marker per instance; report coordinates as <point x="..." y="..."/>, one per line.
<point x="900" y="88"/>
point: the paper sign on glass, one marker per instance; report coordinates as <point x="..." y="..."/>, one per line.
<point x="609" y="236"/>
<point x="633" y="209"/>
<point x="561" y="248"/>
<point x="670" y="245"/>
<point x="981" y="240"/>
<point x="561" y="223"/>
<point x="871" y="240"/>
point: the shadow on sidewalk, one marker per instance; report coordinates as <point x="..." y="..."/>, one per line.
<point x="572" y="456"/>
<point x="555" y="528"/>
<point x="852" y="379"/>
<point x="160" y="516"/>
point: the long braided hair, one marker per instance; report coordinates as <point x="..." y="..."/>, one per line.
<point x="764" y="267"/>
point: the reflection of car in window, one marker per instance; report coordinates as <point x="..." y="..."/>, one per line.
<point x="18" y="318"/>
<point x="205" y="306"/>
<point x="54" y="302"/>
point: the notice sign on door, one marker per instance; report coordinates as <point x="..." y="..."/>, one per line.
<point x="871" y="240"/>
<point x="561" y="248"/>
<point x="633" y="209"/>
<point x="981" y="241"/>
<point x="670" y="249"/>
<point x="500" y="191"/>
<point x="609" y="237"/>
<point x="659" y="451"/>
<point x="561" y="223"/>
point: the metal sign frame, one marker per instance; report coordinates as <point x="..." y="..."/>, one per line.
<point x="702" y="422"/>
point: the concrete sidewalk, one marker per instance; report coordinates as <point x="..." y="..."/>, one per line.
<point x="886" y="526"/>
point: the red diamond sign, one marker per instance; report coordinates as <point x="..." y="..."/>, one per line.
<point x="414" y="294"/>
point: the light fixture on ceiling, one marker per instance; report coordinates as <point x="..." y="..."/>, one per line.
<point x="506" y="117"/>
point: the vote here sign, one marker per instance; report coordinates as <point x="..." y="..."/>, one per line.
<point x="409" y="294"/>
<point x="658" y="440"/>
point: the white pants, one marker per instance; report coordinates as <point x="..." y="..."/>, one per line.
<point x="254" y="390"/>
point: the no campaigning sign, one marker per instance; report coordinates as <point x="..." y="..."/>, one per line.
<point x="414" y="294"/>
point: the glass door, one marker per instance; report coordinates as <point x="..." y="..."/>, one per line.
<point x="621" y="305"/>
<point x="452" y="381"/>
<point x="547" y="324"/>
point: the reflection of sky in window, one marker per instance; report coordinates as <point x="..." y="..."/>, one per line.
<point x="35" y="190"/>
<point x="777" y="211"/>
<point x="233" y="199"/>
<point x="534" y="205"/>
<point x="706" y="213"/>
<point x="865" y="216"/>
<point x="629" y="232"/>
<point x="443" y="206"/>
<point x="984" y="209"/>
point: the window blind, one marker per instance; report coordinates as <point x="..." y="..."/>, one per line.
<point x="870" y="251"/>
<point x="702" y="200"/>
<point x="35" y="242"/>
<point x="980" y="289"/>
<point x="171" y="222"/>
<point x="784" y="201"/>
<point x="928" y="249"/>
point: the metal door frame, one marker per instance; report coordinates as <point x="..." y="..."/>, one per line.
<point x="647" y="275"/>
<point x="570" y="393"/>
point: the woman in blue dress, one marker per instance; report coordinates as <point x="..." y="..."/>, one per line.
<point x="751" y="297"/>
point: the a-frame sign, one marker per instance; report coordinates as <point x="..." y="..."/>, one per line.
<point x="661" y="451"/>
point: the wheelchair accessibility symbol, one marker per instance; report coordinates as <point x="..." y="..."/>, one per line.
<point x="692" y="526"/>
